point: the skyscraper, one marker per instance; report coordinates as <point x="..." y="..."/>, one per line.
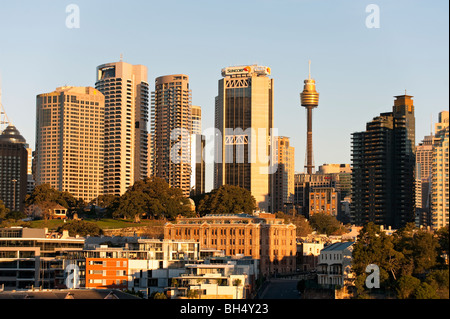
<point x="439" y="180"/>
<point x="310" y="100"/>
<point x="244" y="123"/>
<point x="172" y="129"/>
<point x="126" y="92"/>
<point x="424" y="160"/>
<point x="13" y="168"/>
<point x="282" y="182"/>
<point x="383" y="175"/>
<point x="70" y="140"/>
<point x="197" y="152"/>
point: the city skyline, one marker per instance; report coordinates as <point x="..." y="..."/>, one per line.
<point x="357" y="69"/>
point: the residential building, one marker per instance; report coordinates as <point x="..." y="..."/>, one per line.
<point x="33" y="258"/>
<point x="213" y="281"/>
<point x="334" y="266"/>
<point x="439" y="179"/>
<point x="126" y="93"/>
<point x="260" y="236"/>
<point x="308" y="253"/>
<point x="244" y="125"/>
<point x="282" y="181"/>
<point x="70" y="141"/>
<point x="197" y="153"/>
<point x="424" y="160"/>
<point x="171" y="126"/>
<point x="384" y="164"/>
<point x="13" y="168"/>
<point x="128" y="262"/>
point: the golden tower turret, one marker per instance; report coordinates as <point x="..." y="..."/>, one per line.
<point x="310" y="100"/>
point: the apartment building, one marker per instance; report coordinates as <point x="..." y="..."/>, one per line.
<point x="440" y="168"/>
<point x="334" y="266"/>
<point x="171" y="126"/>
<point x="126" y="92"/>
<point x="70" y="141"/>
<point x="32" y="258"/>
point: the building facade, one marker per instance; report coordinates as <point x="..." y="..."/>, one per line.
<point x="324" y="200"/>
<point x="439" y="180"/>
<point x="384" y="164"/>
<point x="32" y="258"/>
<point x="282" y="181"/>
<point x="13" y="169"/>
<point x="171" y="127"/>
<point x="335" y="265"/>
<point x="197" y="153"/>
<point x="70" y="141"/>
<point x="126" y="93"/>
<point x="244" y="123"/>
<point x="261" y="236"/>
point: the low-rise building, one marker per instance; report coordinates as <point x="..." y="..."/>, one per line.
<point x="33" y="258"/>
<point x="334" y="268"/>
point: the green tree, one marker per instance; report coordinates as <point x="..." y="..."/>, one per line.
<point x="326" y="224"/>
<point x="442" y="235"/>
<point x="3" y="210"/>
<point x="425" y="291"/>
<point x="158" y="295"/>
<point x="303" y="226"/>
<point x="419" y="248"/>
<point x="406" y="286"/>
<point x="438" y="279"/>
<point x="45" y="197"/>
<point x="227" y="199"/>
<point x="153" y="198"/>
<point x="373" y="246"/>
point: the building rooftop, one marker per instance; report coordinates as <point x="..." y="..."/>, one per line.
<point x="338" y="246"/>
<point x="12" y="135"/>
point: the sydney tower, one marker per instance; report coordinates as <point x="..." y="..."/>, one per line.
<point x="310" y="100"/>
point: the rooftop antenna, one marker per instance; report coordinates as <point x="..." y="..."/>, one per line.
<point x="4" y="121"/>
<point x="309" y="69"/>
<point x="121" y="57"/>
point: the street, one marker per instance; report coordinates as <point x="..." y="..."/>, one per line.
<point x="281" y="289"/>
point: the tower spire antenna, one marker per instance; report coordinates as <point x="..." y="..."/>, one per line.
<point x="309" y="69"/>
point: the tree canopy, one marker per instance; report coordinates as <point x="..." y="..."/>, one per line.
<point x="326" y="224"/>
<point x="404" y="259"/>
<point x="227" y="199"/>
<point x="153" y="198"/>
<point x="45" y="197"/>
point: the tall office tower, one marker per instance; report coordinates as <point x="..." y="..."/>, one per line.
<point x="310" y="100"/>
<point x="126" y="92"/>
<point x="383" y="176"/>
<point x="197" y="152"/>
<point x="172" y="129"/>
<point x="282" y="181"/>
<point x="13" y="168"/>
<point x="244" y="123"/>
<point x="30" y="179"/>
<point x="69" y="153"/>
<point x="424" y="158"/>
<point x="439" y="181"/>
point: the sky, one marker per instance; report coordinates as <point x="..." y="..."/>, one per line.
<point x="358" y="69"/>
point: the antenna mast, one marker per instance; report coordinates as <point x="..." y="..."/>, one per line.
<point x="4" y="121"/>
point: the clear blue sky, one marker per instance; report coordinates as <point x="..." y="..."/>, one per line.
<point x="357" y="70"/>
